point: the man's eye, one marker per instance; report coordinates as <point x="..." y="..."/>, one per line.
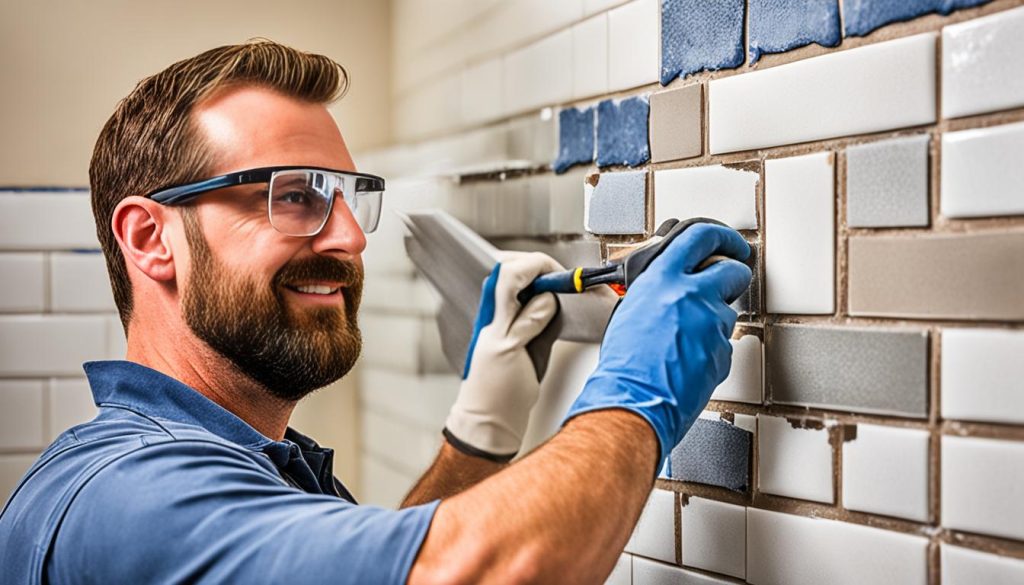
<point x="295" y="197"/>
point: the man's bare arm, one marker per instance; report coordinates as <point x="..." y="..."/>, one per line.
<point x="452" y="472"/>
<point x="552" y="517"/>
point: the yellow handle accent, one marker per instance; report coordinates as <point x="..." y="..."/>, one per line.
<point x="577" y="279"/>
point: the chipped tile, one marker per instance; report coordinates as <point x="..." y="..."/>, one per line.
<point x="700" y="36"/>
<point x="887" y="183"/>
<point x="655" y="532"/>
<point x="982" y="375"/>
<point x="981" y="481"/>
<point x="676" y="128"/>
<point x="714" y="537"/>
<point x="647" y="572"/>
<point x="622" y="132"/>
<point x="956" y="276"/>
<point x="717" y="192"/>
<point x="981" y="174"/>
<point x="885" y="471"/>
<point x="744" y="381"/>
<point x="793" y="462"/>
<point x="633" y="45"/>
<point x="777" y="26"/>
<point x="590" y="57"/>
<point x="575" y="137"/>
<point x="863" y="16"/>
<point x="868" y="89"/>
<point x="872" y="370"/>
<point x="714" y="453"/>
<point x="616" y="203"/>
<point x="981" y="66"/>
<point x="964" y="566"/>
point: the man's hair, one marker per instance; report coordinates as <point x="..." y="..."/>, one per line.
<point x="152" y="141"/>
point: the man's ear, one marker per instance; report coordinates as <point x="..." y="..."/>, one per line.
<point x="139" y="225"/>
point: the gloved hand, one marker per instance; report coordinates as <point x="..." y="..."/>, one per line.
<point x="499" y="383"/>
<point x="667" y="344"/>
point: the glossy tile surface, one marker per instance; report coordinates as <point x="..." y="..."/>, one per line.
<point x="981" y="66"/>
<point x="981" y="172"/>
<point x="981" y="481"/>
<point x="887" y="183"/>
<point x="776" y="26"/>
<point x="23" y="286"/>
<point x="655" y="533"/>
<point x="885" y="471"/>
<point x="983" y="375"/>
<point x="633" y="45"/>
<point x="714" y="536"/>
<point x="676" y="128"/>
<point x="698" y="36"/>
<point x="717" y="192"/>
<point x="590" y="57"/>
<point x="744" y="383"/>
<point x="964" y="566"/>
<point x="793" y="462"/>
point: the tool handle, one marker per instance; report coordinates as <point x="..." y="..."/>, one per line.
<point x="557" y="282"/>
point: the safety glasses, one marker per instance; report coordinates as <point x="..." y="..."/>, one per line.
<point x="299" y="199"/>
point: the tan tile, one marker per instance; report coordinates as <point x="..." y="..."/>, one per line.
<point x="676" y="131"/>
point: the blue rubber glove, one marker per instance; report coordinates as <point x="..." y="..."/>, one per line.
<point x="667" y="345"/>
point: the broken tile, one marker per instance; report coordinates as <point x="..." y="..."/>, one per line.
<point x="872" y="370"/>
<point x="885" y="471"/>
<point x="655" y="532"/>
<point x="633" y="45"/>
<point x="983" y="375"/>
<point x="887" y="183"/>
<point x="793" y="462"/>
<point x="981" y="66"/>
<point x="616" y="203"/>
<point x="717" y="192"/>
<point x="590" y="57"/>
<point x="566" y="197"/>
<point x="676" y="128"/>
<point x="622" y="132"/>
<point x="981" y="481"/>
<point x="622" y="574"/>
<point x="964" y="566"/>
<point x="575" y="138"/>
<point x="868" y="89"/>
<point x="700" y="36"/>
<point x="647" y="572"/>
<point x="777" y="26"/>
<point x="744" y="381"/>
<point x="714" y="536"/>
<point x="714" y="453"/>
<point x="799" y="234"/>
<point x="956" y="276"/>
<point x="797" y="550"/>
<point x="863" y="16"/>
<point x="981" y="174"/>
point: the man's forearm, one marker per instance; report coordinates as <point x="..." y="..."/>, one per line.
<point x="452" y="472"/>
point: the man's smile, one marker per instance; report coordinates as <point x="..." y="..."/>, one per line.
<point x="321" y="292"/>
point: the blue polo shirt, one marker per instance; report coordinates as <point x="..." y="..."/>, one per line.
<point x="165" y="486"/>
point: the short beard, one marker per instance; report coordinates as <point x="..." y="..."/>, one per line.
<point x="289" y="353"/>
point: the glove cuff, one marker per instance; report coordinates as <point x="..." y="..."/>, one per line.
<point x="467" y="449"/>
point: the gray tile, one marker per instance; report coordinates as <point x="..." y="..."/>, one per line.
<point x="714" y="453"/>
<point x="616" y="203"/>
<point x="882" y="371"/>
<point x="566" y="193"/>
<point x="955" y="276"/>
<point x="887" y="183"/>
<point x="676" y="130"/>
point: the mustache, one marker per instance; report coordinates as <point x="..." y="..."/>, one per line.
<point x="321" y="268"/>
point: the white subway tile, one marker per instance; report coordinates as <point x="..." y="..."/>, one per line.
<point x="981" y="66"/>
<point x="744" y="383"/>
<point x="783" y="549"/>
<point x="647" y="572"/>
<point x="981" y="481"/>
<point x="22" y="282"/>
<point x="981" y="172"/>
<point x="570" y="365"/>
<point x="21" y="414"/>
<point x="44" y="345"/>
<point x="800" y="235"/>
<point x="718" y="192"/>
<point x="714" y="537"/>
<point x="746" y="422"/>
<point x="590" y="57"/>
<point x="633" y="44"/>
<point x="655" y="532"/>
<point x="423" y="400"/>
<point x="482" y="92"/>
<point x="539" y="74"/>
<point x="382" y="484"/>
<point x="868" y="89"/>
<point x="399" y="293"/>
<point x="793" y="462"/>
<point x="12" y="468"/>
<point x="885" y="471"/>
<point x="983" y="375"/>
<point x="46" y="221"/>
<point x="595" y="6"/>
<point x="622" y="574"/>
<point x="117" y="344"/>
<point x="964" y="566"/>
<point x="406" y="446"/>
<point x="79" y="283"/>
<point x="566" y="196"/>
<point x="71" y="404"/>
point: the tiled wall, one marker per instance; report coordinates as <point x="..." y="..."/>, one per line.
<point x="872" y="429"/>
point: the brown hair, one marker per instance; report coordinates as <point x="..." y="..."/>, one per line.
<point x="151" y="141"/>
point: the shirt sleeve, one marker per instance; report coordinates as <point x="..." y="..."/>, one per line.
<point x="202" y="512"/>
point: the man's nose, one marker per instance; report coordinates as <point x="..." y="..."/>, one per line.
<point x="341" y="233"/>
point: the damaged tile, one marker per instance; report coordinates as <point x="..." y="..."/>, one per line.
<point x="616" y="203"/>
<point x="744" y="381"/>
<point x="697" y="35"/>
<point x="633" y="45"/>
<point x="622" y="132"/>
<point x="981" y="481"/>
<point x="676" y="128"/>
<point x="885" y="471"/>
<point x="794" y="462"/>
<point x="655" y="532"/>
<point x="717" y="192"/>
<point x="714" y="536"/>
<point x="956" y="276"/>
<point x="647" y="572"/>
<point x="872" y="370"/>
<point x="981" y="174"/>
<point x="777" y="26"/>
<point x="714" y="453"/>
<point x="575" y="137"/>
<point x="590" y="57"/>
<point x="863" y="16"/>
<point x="981" y="66"/>
<point x="887" y="183"/>
<point x="983" y="375"/>
<point x="964" y="566"/>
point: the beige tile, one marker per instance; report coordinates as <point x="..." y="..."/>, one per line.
<point x="676" y="131"/>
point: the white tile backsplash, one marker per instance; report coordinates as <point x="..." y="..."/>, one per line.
<point x="981" y="173"/>
<point x="793" y="462"/>
<point x="648" y="572"/>
<point x="622" y="574"/>
<point x="885" y="471"/>
<point x="46" y="221"/>
<point x="981" y="66"/>
<point x="21" y="414"/>
<point x="655" y="533"/>
<point x="482" y="91"/>
<point x="714" y="536"/>
<point x="745" y="381"/>
<point x="981" y="481"/>
<point x="47" y="345"/>
<point x="964" y="566"/>
<point x="982" y="375"/>
<point x="717" y="192"/>
<point x="539" y="74"/>
<point x="22" y="282"/>
<point x="71" y="404"/>
<point x="633" y="44"/>
<point x="79" y="283"/>
<point x="590" y="57"/>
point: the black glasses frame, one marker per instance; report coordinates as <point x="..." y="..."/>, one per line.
<point x="180" y="194"/>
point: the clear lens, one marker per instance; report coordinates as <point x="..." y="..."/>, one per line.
<point x="300" y="201"/>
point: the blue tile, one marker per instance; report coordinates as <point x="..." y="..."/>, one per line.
<point x="622" y="132"/>
<point x="776" y="26"/>
<point x="713" y="453"/>
<point x="863" y="16"/>
<point x="698" y="35"/>
<point x="575" y="138"/>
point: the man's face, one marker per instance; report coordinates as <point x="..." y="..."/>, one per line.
<point x="281" y="308"/>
